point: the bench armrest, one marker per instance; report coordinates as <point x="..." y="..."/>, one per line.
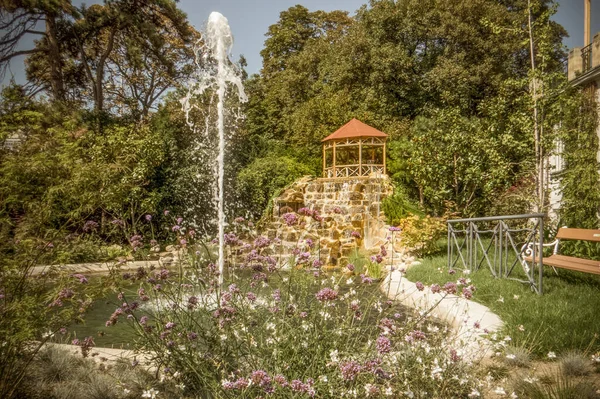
<point x="527" y="249"/>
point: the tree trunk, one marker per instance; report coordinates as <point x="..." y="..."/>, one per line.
<point x="54" y="58"/>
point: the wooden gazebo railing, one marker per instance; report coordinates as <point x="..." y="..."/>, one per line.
<point x="354" y="150"/>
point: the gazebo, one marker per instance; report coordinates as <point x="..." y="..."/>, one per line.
<point x="354" y="150"/>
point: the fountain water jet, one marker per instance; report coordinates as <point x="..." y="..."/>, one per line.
<point x="215" y="71"/>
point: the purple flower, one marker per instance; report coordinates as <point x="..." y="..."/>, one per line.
<point x="451" y="271"/>
<point x="251" y="297"/>
<point x="326" y="294"/>
<point x="238" y="220"/>
<point x="166" y="212"/>
<point x="305" y="211"/>
<point x="260" y="378"/>
<point x="467" y="293"/>
<point x="337" y="209"/>
<point x="394" y="228"/>
<point x="183" y="242"/>
<point x="303" y="258"/>
<point x="281" y="380"/>
<point x="290" y="218"/>
<point x="261" y="242"/>
<point x="350" y="370"/>
<point x="435" y="288"/>
<point x="450" y="288"/>
<point x="90" y="225"/>
<point x="383" y="344"/>
<point x="302" y="315"/>
<point x="310" y="243"/>
<point x="179" y="220"/>
<point x="81" y="277"/>
<point x="350" y="267"/>
<point x="355" y="234"/>
<point x="148" y="218"/>
<point x="169" y="325"/>
<point x="176" y="228"/>
<point x="365" y="279"/>
<point x="419" y="286"/>
<point x="277" y="295"/>
<point x="317" y="263"/>
<point x="192" y="336"/>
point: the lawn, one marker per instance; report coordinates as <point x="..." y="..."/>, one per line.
<point x="565" y="317"/>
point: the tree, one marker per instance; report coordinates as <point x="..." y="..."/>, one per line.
<point x="19" y="18"/>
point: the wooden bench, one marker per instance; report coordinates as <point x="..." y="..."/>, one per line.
<point x="567" y="262"/>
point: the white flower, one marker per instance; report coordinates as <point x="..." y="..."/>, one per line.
<point x="551" y="355"/>
<point x="388" y="391"/>
<point x="334" y="356"/>
<point x="409" y="394"/>
<point x="513" y="396"/>
<point x="126" y="391"/>
<point x="223" y="337"/>
<point x="271" y="326"/>
<point x="511" y="357"/>
<point x="474" y="394"/>
<point x="350" y="281"/>
<point x="323" y="378"/>
<point x="180" y="386"/>
<point x="499" y="391"/>
<point x="521" y="328"/>
<point x="515" y="297"/>
<point x="501" y="299"/>
<point x="151" y="393"/>
<point x="325" y="315"/>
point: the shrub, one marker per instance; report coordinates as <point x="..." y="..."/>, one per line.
<point x="264" y="177"/>
<point x="286" y="333"/>
<point x="420" y="235"/>
<point x="575" y="364"/>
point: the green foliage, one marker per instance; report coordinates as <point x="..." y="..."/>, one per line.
<point x="579" y="181"/>
<point x="36" y="304"/>
<point x="63" y="174"/>
<point x="451" y="88"/>
<point x="539" y="323"/>
<point x="398" y="206"/>
<point x="260" y="180"/>
<point x="421" y="234"/>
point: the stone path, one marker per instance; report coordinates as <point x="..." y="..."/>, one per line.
<point x="461" y="314"/>
<point x="87" y="268"/>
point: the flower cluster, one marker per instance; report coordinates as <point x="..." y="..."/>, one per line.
<point x="326" y="294"/>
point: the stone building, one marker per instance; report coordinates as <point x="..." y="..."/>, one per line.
<point x="583" y="70"/>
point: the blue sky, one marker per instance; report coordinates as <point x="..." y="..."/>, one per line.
<point x="250" y="19"/>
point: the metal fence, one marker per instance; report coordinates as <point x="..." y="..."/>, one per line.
<point x="501" y="243"/>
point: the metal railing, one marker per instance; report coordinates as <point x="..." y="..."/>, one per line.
<point x="499" y="242"/>
<point x="586" y="58"/>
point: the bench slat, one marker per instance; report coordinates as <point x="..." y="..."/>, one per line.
<point x="569" y="262"/>
<point x="565" y="233"/>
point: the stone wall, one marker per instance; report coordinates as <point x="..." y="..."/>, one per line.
<point x="338" y="215"/>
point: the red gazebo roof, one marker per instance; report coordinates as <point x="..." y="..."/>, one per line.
<point x="354" y="129"/>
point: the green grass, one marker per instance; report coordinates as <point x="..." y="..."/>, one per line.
<point x="566" y="317"/>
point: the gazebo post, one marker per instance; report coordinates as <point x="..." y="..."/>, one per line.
<point x="324" y="163"/>
<point x="334" y="175"/>
<point x="384" y="168"/>
<point x="360" y="156"/>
